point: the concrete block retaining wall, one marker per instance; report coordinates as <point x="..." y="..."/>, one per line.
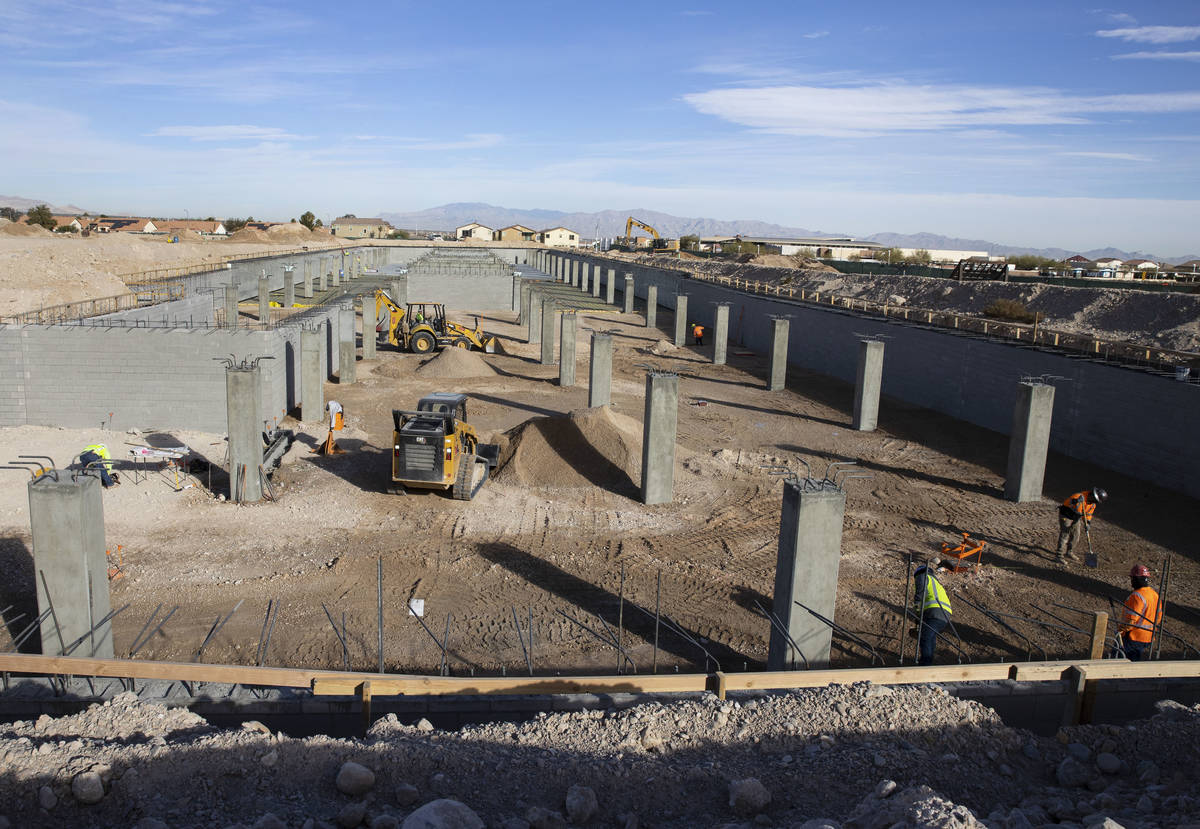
<point x="198" y="308"/>
<point x="1122" y="419"/>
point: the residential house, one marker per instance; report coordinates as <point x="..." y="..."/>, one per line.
<point x="474" y="230"/>
<point x="71" y="222"/>
<point x="559" y="237"/>
<point x="184" y="227"/>
<point x="516" y="233"/>
<point x="123" y="225"/>
<point x="1106" y="267"/>
<point x="352" y="227"/>
<point x="1139" y="269"/>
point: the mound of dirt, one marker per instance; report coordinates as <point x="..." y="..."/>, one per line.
<point x="290" y="232"/>
<point x="663" y="347"/>
<point x="249" y="234"/>
<point x="584" y="448"/>
<point x="22" y="229"/>
<point x="454" y="363"/>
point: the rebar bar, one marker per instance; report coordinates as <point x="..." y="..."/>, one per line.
<point x="53" y="615"/>
<point x="904" y="619"/>
<point x="336" y="632"/>
<point x="1162" y="605"/>
<point x="678" y="631"/>
<point x="621" y="618"/>
<point x="853" y="637"/>
<point x="262" y="634"/>
<point x="521" y="639"/>
<point x="610" y="642"/>
<point x="148" y="621"/>
<point x="139" y="644"/>
<point x="108" y="617"/>
<point x="379" y="604"/>
<point x="220" y="623"/>
<point x="446" y="643"/>
<point x="20" y="638"/>
<point x="991" y="614"/>
<point x="778" y="625"/>
<point x="657" y="611"/>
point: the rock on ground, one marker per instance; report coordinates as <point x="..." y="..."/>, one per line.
<point x="443" y="814"/>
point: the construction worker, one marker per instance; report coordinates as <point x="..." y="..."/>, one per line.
<point x="99" y="455"/>
<point x="1142" y="616"/>
<point x="336" y="423"/>
<point x="698" y="333"/>
<point x="934" y="606"/>
<point x="1074" y="516"/>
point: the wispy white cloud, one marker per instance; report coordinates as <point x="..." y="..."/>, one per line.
<point x="1108" y="156"/>
<point x="1187" y="56"/>
<point x="1153" y="34"/>
<point x="226" y="132"/>
<point x="815" y="35"/>
<point x="1114" y="16"/>
<point x="899" y="107"/>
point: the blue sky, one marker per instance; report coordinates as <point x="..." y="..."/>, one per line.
<point x="1027" y="123"/>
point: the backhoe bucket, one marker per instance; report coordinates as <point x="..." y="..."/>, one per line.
<point x="489" y="452"/>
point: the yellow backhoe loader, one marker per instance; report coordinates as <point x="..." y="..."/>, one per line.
<point x="657" y="242"/>
<point x="422" y="327"/>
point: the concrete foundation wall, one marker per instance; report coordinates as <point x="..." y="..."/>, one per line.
<point x="195" y="309"/>
<point x="463" y="293"/>
<point x="1102" y="413"/>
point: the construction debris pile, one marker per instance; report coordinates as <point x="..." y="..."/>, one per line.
<point x="854" y="756"/>
<point x="585" y="448"/>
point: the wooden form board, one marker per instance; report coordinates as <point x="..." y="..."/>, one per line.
<point x="348" y="683"/>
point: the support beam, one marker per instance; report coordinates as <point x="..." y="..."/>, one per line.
<point x="534" y="334"/>
<point x="651" y="306"/>
<point x="312" y="374"/>
<point x="370" y="319"/>
<point x="627" y="297"/>
<point x="1029" y="442"/>
<point x="308" y="278"/>
<point x="867" y="385"/>
<point x="658" y="437"/>
<point x="596" y="274"/>
<point x="583" y="276"/>
<point x="681" y="320"/>
<point x="600" y="370"/>
<point x="243" y="400"/>
<point x="70" y="573"/>
<point x="516" y="294"/>
<point x="806" y="571"/>
<point x="721" y="334"/>
<point x="289" y="286"/>
<point x="400" y="290"/>
<point x="264" y="298"/>
<point x="549" y="322"/>
<point x="231" y="304"/>
<point x="322" y="274"/>
<point x="526" y="293"/>
<point x="610" y="289"/>
<point x="336" y="270"/>
<point x="779" y="352"/>
<point x="566" y="349"/>
<point x="574" y="273"/>
<point x="347" y="365"/>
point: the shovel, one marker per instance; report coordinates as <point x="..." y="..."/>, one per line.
<point x="1090" y="559"/>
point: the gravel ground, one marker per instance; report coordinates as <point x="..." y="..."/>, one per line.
<point x="853" y="756"/>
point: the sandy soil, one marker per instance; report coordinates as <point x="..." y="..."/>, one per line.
<point x="536" y="539"/>
<point x="50" y="269"/>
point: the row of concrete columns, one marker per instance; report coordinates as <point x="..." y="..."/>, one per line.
<point x="330" y="272"/>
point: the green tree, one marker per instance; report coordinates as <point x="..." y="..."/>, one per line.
<point x="921" y="257"/>
<point x="308" y="219"/>
<point x="10" y="213"/>
<point x="41" y="215"/>
<point x="689" y="242"/>
<point x="234" y="225"/>
<point x="318" y="223"/>
<point x="400" y="234"/>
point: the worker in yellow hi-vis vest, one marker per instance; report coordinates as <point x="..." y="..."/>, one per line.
<point x="934" y="606"/>
<point x="96" y="458"/>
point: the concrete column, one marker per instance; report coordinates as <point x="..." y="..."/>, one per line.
<point x="628" y="295"/>
<point x="681" y="326"/>
<point x="566" y="349"/>
<point x="600" y="371"/>
<point x="583" y="276"/>
<point x="721" y="334"/>
<point x="347" y="367"/>
<point x="596" y="280"/>
<point x="243" y="399"/>
<point x="264" y="298"/>
<point x="322" y="274"/>
<point x="400" y="290"/>
<point x="332" y="345"/>
<point x="574" y="274"/>
<point x="516" y="299"/>
<point x="370" y="318"/>
<point x="66" y="520"/>
<point x="806" y="571"/>
<point x="658" y="438"/>
<point x="289" y="286"/>
<point x="867" y="384"/>
<point x="535" y="317"/>
<point x="526" y="293"/>
<point x="308" y="279"/>
<point x="610" y="290"/>
<point x="336" y="271"/>
<point x="312" y="374"/>
<point x="779" y="351"/>
<point x="1029" y="442"/>
<point x="549" y="320"/>
<point x="651" y="306"/>
<point x="231" y="304"/>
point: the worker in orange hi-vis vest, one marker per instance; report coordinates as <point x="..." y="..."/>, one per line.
<point x="1141" y="617"/>
<point x="698" y="333"/>
<point x="1076" y="511"/>
<point x="336" y="423"/>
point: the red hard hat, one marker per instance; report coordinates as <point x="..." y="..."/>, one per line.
<point x="1139" y="570"/>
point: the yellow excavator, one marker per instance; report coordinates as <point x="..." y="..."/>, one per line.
<point x="657" y="241"/>
<point x="422" y="327"/>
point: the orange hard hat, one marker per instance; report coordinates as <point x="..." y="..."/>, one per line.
<point x="1139" y="570"/>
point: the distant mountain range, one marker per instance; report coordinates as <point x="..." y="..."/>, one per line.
<point x="607" y="223"/>
<point x="18" y="203"/>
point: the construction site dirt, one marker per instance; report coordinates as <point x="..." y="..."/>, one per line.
<point x="559" y="541"/>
